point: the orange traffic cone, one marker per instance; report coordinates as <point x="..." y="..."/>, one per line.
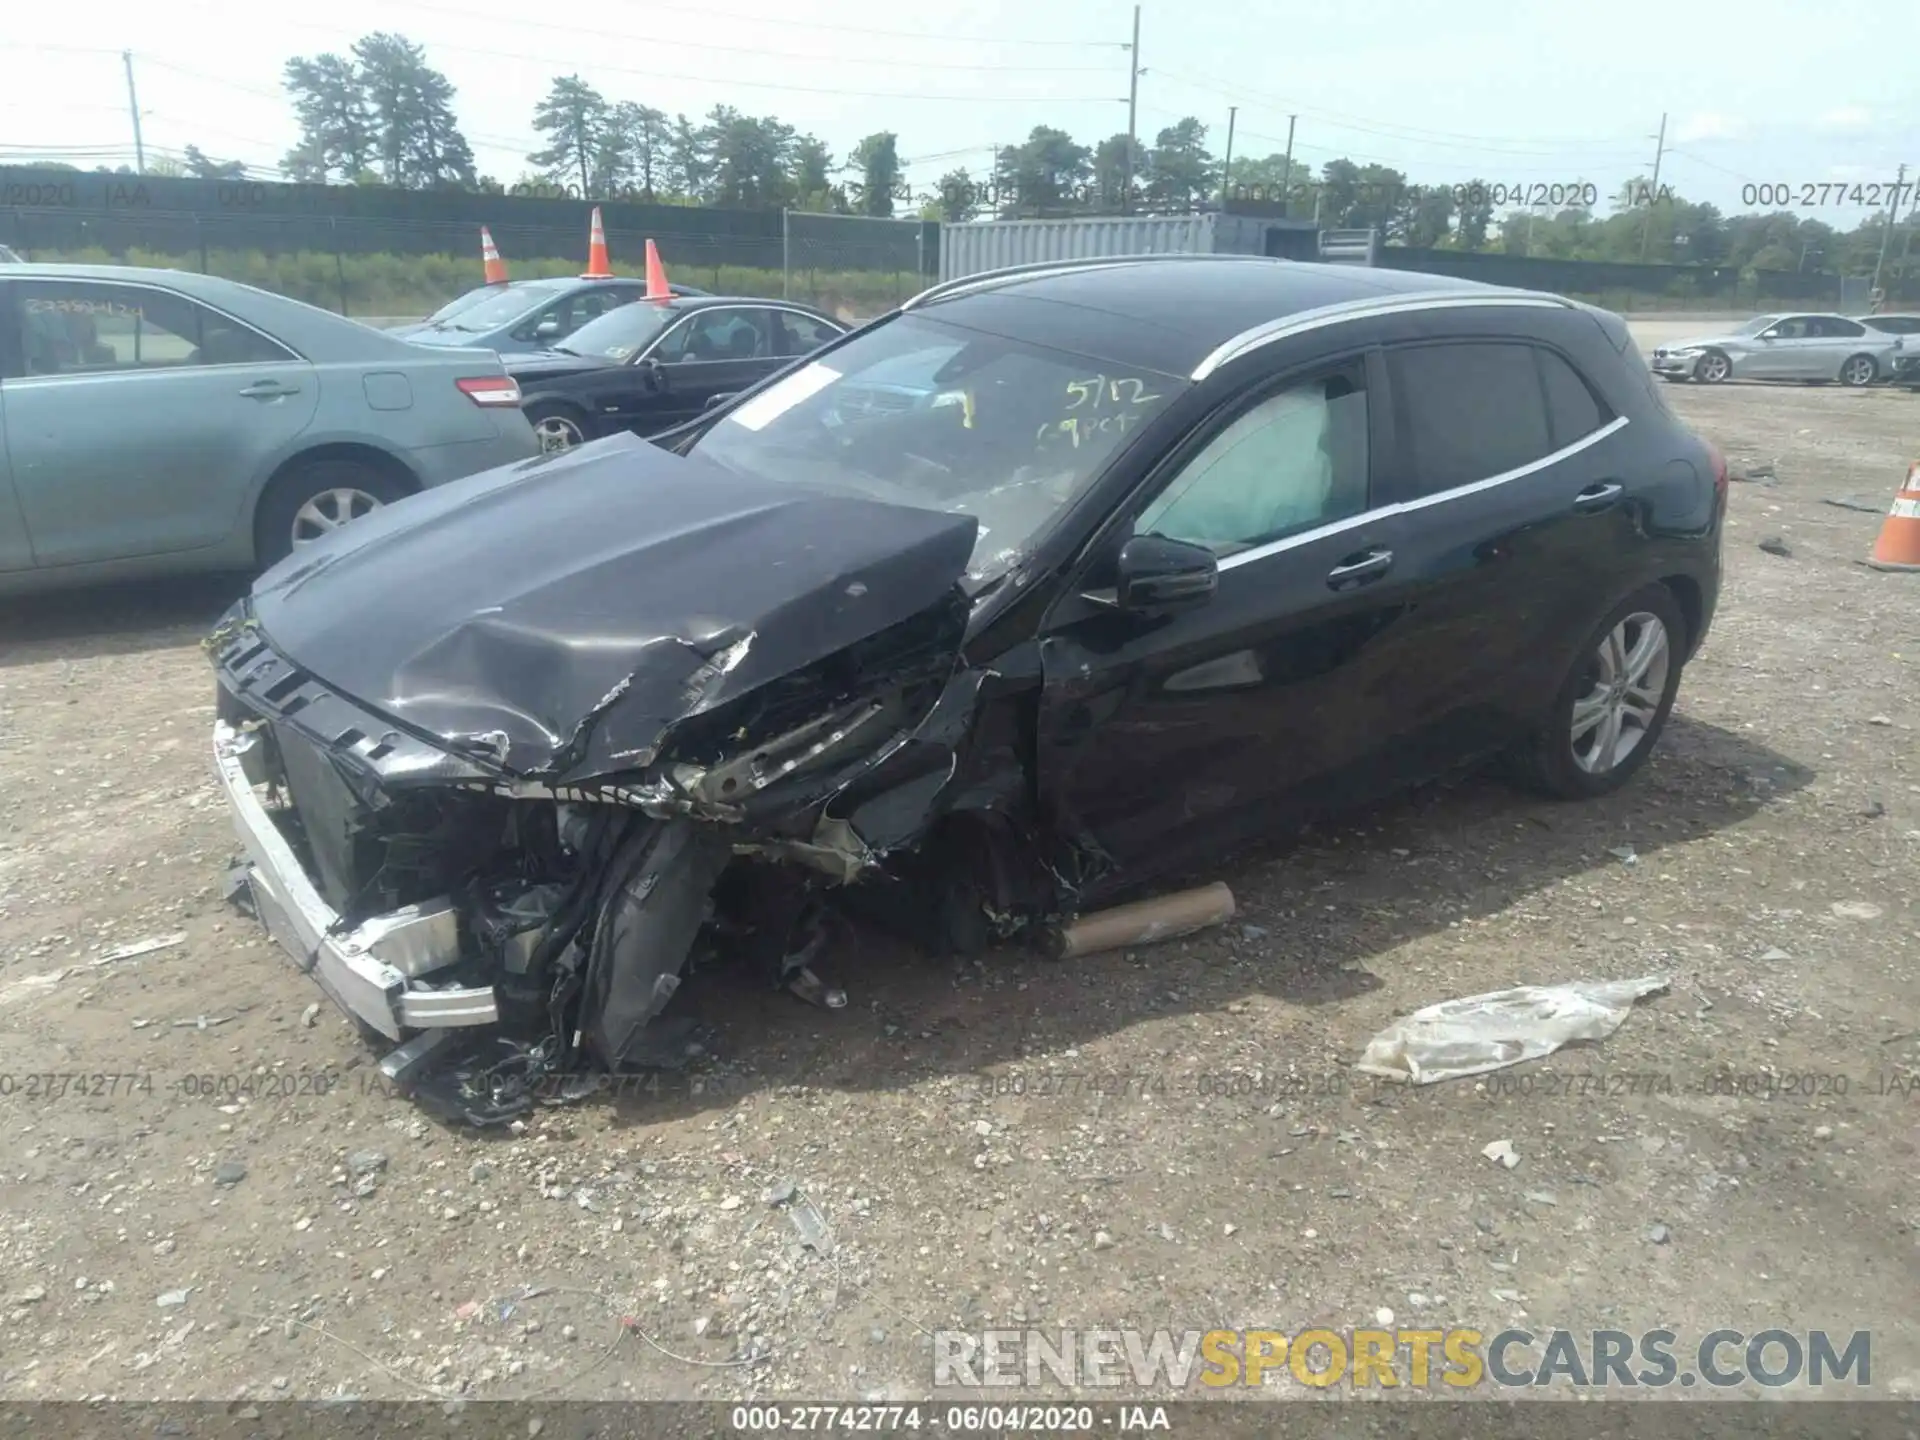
<point x="496" y="268"/>
<point x="657" y="287"/>
<point x="597" y="267"/>
<point x="1898" y="547"/>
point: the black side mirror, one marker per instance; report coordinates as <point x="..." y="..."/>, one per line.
<point x="654" y="375"/>
<point x="715" y="401"/>
<point x="1158" y="575"/>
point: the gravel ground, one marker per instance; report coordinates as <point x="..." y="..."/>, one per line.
<point x="269" y="1240"/>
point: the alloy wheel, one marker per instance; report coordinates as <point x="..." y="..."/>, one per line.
<point x="1713" y="368"/>
<point x="1626" y="680"/>
<point x="557" y="433"/>
<point x="1857" y="371"/>
<point x="329" y="510"/>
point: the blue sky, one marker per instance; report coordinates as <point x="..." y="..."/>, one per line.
<point x="1755" y="90"/>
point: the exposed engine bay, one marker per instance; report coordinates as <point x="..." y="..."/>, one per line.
<point x="455" y="859"/>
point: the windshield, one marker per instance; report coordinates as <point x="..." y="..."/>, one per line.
<point x="621" y="333"/>
<point x="918" y="412"/>
<point x="503" y="308"/>
<point x="1756" y="325"/>
<point x="459" y="303"/>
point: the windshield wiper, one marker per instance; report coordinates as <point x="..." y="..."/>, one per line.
<point x="564" y="349"/>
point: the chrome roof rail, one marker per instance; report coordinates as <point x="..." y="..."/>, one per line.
<point x="988" y="279"/>
<point x="1318" y="318"/>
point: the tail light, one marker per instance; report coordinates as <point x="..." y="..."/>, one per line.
<point x="490" y="389"/>
<point x="1719" y="473"/>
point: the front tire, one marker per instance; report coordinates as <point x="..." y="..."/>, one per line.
<point x="1858" y="371"/>
<point x="1712" y="368"/>
<point x="315" y="498"/>
<point x="1614" y="703"/>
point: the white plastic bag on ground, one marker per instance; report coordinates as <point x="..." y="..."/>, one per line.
<point x="1490" y="1032"/>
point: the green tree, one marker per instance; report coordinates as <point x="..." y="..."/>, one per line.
<point x="813" y="177"/>
<point x="876" y="160"/>
<point x="632" y="151"/>
<point x="1112" y="176"/>
<point x="751" y="159"/>
<point x="1042" y="176"/>
<point x="689" y="162"/>
<point x="573" y="118"/>
<point x="1476" y="215"/>
<point x="1180" y="171"/>
<point x="1432" y="217"/>
<point x="196" y="164"/>
<point x="336" y="123"/>
<point x="416" y="138"/>
<point x="956" y="197"/>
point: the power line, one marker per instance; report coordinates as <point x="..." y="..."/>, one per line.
<point x="1334" y="120"/>
<point x="670" y="41"/>
<point x="574" y="65"/>
<point x="703" y="13"/>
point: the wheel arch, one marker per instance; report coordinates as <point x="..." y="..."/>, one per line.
<point x="385" y="462"/>
<point x="1866" y="355"/>
<point x="1692" y="601"/>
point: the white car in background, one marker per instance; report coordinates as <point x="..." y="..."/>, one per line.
<point x="1783" y="347"/>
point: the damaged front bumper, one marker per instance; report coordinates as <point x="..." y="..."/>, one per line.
<point x="379" y="971"/>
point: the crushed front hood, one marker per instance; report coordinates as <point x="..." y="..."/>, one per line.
<point x="553" y="618"/>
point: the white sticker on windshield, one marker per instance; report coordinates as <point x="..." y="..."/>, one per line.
<point x="763" y="410"/>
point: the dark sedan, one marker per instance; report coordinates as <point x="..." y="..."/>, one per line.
<point x="1051" y="583"/>
<point x="650" y="365"/>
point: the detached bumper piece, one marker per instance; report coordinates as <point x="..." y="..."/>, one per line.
<point x="380" y="971"/>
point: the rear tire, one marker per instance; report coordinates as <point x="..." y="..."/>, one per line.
<point x="559" y="427"/>
<point x="313" y="498"/>
<point x="1614" y="703"/>
<point x="1859" y="371"/>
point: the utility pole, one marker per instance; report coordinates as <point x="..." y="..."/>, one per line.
<point x="1886" y="235"/>
<point x="1659" y="154"/>
<point x="1226" y="169"/>
<point x="1133" y="109"/>
<point x="133" y="105"/>
<point x="1286" y="173"/>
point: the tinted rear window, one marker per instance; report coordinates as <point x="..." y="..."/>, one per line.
<point x="1468" y="411"/>
<point x="1572" y="412"/>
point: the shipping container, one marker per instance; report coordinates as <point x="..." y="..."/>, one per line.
<point x="974" y="247"/>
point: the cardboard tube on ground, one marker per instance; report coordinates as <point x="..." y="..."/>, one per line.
<point x="1146" y="922"/>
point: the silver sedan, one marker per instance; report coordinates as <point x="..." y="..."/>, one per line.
<point x="153" y="421"/>
<point x="1783" y="347"/>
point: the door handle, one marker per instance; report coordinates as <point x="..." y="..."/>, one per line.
<point x="1360" y="568"/>
<point x="1598" y="497"/>
<point x="268" y="390"/>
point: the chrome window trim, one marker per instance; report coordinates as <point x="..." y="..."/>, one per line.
<point x="1439" y="497"/>
<point x="1268" y="331"/>
<point x="290" y="357"/>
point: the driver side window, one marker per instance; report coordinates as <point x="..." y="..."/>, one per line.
<point x="1293" y="461"/>
<point x="717" y="334"/>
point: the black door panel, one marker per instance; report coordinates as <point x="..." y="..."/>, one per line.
<point x="1163" y="737"/>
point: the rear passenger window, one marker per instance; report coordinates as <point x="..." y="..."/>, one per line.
<point x="1572" y="412"/>
<point x="1468" y="411"/>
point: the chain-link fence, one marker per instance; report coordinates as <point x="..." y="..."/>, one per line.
<point x="393" y="269"/>
<point x="837" y="261"/>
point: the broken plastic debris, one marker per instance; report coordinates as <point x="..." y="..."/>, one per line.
<point x="1479" y="1033"/>
<point x="1146" y="922"/>
<point x="143" y="947"/>
<point x="809" y="1224"/>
